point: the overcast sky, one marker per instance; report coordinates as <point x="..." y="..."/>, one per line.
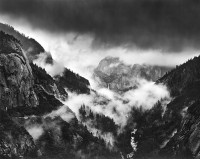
<point x="162" y="32"/>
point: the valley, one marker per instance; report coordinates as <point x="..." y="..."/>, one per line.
<point x="137" y="111"/>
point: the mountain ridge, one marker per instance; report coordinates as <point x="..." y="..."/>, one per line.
<point x="31" y="94"/>
<point x="112" y="73"/>
<point x="29" y="45"/>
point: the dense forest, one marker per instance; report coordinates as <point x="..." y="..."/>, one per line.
<point x="73" y="82"/>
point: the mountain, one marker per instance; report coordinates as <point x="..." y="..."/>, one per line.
<point x="34" y="123"/>
<point x="115" y="75"/>
<point x="29" y="124"/>
<point x="16" y="91"/>
<point x="184" y="84"/>
<point x="73" y="82"/>
<point x="162" y="132"/>
<point x="29" y="45"/>
<point x="20" y="87"/>
<point x="32" y="49"/>
<point x="172" y="131"/>
<point x="16" y="75"/>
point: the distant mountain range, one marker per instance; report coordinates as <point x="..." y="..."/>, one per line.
<point x="114" y="74"/>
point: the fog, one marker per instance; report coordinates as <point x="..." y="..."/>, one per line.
<point x="76" y="52"/>
<point x="117" y="106"/>
<point x="35" y="131"/>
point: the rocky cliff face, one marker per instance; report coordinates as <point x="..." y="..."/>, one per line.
<point x="114" y="74"/>
<point x="19" y="96"/>
<point x="25" y="89"/>
<point x="16" y="90"/>
<point x="16" y="83"/>
<point x="28" y="95"/>
<point x="31" y="47"/>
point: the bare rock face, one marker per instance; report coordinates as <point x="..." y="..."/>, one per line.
<point x="25" y="89"/>
<point x="115" y="75"/>
<point x="17" y="92"/>
<point x="16" y="79"/>
<point x="29" y="45"/>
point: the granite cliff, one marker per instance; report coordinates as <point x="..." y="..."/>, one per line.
<point x="16" y="86"/>
<point x="29" y="98"/>
<point x="114" y="74"/>
<point x="16" y="90"/>
<point x="30" y="46"/>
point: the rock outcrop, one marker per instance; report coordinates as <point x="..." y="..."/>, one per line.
<point x="19" y="96"/>
<point x="29" y="45"/>
<point x="16" y="79"/>
<point x="115" y="75"/>
<point x="21" y="83"/>
<point x="27" y="96"/>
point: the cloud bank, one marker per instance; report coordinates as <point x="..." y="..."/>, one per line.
<point x="118" y="107"/>
<point x="78" y="56"/>
<point x="76" y="52"/>
<point x="171" y="25"/>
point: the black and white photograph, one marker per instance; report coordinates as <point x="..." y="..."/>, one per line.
<point x="99" y="79"/>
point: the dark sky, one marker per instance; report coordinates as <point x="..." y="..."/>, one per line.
<point x="171" y="25"/>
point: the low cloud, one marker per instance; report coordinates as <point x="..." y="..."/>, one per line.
<point x="147" y="94"/>
<point x="74" y="52"/>
<point x="104" y="101"/>
<point x="118" y="107"/>
<point x="64" y="112"/>
<point x="38" y="126"/>
<point x="35" y="131"/>
<point x="52" y="69"/>
<point x="108" y="137"/>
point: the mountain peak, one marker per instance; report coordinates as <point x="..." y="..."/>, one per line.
<point x="120" y="76"/>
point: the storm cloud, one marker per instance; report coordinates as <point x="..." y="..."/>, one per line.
<point x="170" y="25"/>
